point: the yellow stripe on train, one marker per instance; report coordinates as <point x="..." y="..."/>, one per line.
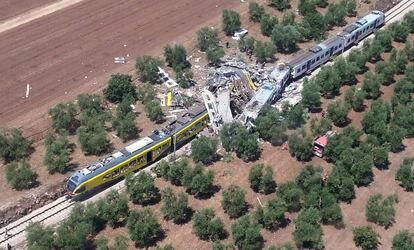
<point x="140" y="160"/>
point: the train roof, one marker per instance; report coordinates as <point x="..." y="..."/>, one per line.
<point x="371" y="17"/>
<point x="137" y="147"/>
<point x="328" y="43"/>
<point x="301" y="57"/>
<point x="310" y="53"/>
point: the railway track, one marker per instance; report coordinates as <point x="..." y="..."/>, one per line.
<point x="63" y="204"/>
<point x="400" y="7"/>
<point x="42" y="214"/>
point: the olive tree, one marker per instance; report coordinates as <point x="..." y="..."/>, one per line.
<point x="264" y="51"/>
<point x="380" y="210"/>
<point x="154" y="110"/>
<point x="366" y="237"/>
<point x="308" y="232"/>
<point x="20" y="175"/>
<point x="311" y="98"/>
<point x="63" y="116"/>
<point x="338" y="113"/>
<point x="291" y="194"/>
<point x="405" y="174"/>
<point x="403" y="240"/>
<point x="286" y="37"/>
<point x="273" y="214"/>
<point x="124" y="122"/>
<point x="143" y="227"/>
<point x="280" y="4"/>
<point x="147" y="68"/>
<point x="233" y="202"/>
<point x="261" y="179"/>
<point x="355" y="98"/>
<point x="206" y="38"/>
<point x="93" y="137"/>
<point x="207" y="226"/>
<point x="246" y="234"/>
<point x="235" y="137"/>
<point x="214" y="55"/>
<point x="231" y="22"/>
<point x="341" y="184"/>
<point x="39" y="237"/>
<point x="57" y="154"/>
<point x="267" y="24"/>
<point x="176" y="56"/>
<point x="256" y="11"/>
<point x="119" y="86"/>
<point x="300" y="147"/>
<point x="204" y="150"/>
<point x="113" y="208"/>
<point x="141" y="187"/>
<point x="13" y="146"/>
<point x="174" y="207"/>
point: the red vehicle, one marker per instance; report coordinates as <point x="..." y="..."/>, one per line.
<point x="320" y="144"/>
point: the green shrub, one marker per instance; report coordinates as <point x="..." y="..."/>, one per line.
<point x="20" y="175"/>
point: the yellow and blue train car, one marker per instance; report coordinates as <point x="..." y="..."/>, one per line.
<point x="139" y="154"/>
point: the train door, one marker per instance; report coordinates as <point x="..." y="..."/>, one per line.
<point x="308" y="64"/>
<point x="331" y="51"/>
<point x="357" y="36"/>
<point x="149" y="157"/>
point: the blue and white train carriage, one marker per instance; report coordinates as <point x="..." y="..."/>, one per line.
<point x="310" y="59"/>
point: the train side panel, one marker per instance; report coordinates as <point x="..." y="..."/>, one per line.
<point x="134" y="163"/>
<point x="190" y="130"/>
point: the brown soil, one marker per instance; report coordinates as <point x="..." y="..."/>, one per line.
<point x="236" y="172"/>
<point x="354" y="213"/>
<point x="55" y="53"/>
<point x="70" y="52"/>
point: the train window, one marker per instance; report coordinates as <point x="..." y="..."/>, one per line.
<point x="313" y="61"/>
<point x="340" y="45"/>
<point x="317" y="59"/>
<point x="303" y="67"/>
<point x="297" y="71"/>
<point x="347" y="40"/>
<point x="327" y="53"/>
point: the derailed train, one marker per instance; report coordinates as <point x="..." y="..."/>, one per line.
<point x="310" y="59"/>
<point x="352" y="34"/>
<point x="162" y="142"/>
<point x="139" y="154"/>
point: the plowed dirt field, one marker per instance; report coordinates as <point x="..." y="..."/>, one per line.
<point x="71" y="50"/>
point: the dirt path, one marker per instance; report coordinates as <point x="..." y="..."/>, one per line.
<point x="12" y="8"/>
<point x="35" y="14"/>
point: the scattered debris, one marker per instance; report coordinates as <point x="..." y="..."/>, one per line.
<point x="292" y="94"/>
<point x="168" y="81"/>
<point x="239" y="34"/>
<point x="27" y="90"/>
<point x="119" y="60"/>
<point x="238" y="91"/>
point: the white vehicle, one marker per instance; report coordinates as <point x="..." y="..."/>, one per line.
<point x="239" y="34"/>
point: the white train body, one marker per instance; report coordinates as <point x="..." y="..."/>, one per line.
<point x="357" y="31"/>
<point x="308" y="60"/>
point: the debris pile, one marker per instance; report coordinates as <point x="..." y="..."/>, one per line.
<point x="238" y="91"/>
<point x="292" y="94"/>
